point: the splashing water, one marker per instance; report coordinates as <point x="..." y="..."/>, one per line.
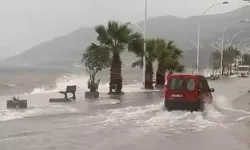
<point x="81" y="82"/>
<point x="222" y="104"/>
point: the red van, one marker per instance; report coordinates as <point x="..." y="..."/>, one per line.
<point x="187" y="92"/>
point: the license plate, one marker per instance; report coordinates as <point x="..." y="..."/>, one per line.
<point x="176" y="95"/>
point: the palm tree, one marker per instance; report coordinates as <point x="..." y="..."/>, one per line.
<point x="162" y="55"/>
<point x="168" y="56"/>
<point x="150" y="58"/>
<point x="116" y="38"/>
<point x="229" y="56"/>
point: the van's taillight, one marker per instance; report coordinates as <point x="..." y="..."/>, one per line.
<point x="176" y="95"/>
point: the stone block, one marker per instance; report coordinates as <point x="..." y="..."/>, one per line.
<point x="91" y="94"/>
<point x="17" y="104"/>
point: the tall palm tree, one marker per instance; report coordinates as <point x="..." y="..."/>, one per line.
<point x="168" y="56"/>
<point x="150" y="58"/>
<point x="162" y="54"/>
<point x="116" y="38"/>
<point x="174" y="65"/>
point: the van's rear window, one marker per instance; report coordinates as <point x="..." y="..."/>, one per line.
<point x="177" y="84"/>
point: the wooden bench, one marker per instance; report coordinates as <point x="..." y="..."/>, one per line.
<point x="69" y="89"/>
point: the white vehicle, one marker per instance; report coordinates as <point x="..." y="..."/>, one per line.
<point x="243" y="70"/>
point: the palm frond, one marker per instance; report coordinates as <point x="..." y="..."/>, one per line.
<point x="103" y="36"/>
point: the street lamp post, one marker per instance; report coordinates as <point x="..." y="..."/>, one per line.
<point x="235" y="34"/>
<point x="193" y="43"/>
<point x="196" y="46"/>
<point x="222" y="44"/>
<point x="243" y="40"/>
<point x="145" y="44"/>
<point x="199" y="25"/>
<point x="144" y="30"/>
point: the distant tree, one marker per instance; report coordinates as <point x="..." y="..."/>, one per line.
<point x="229" y="56"/>
<point x="95" y="59"/>
<point x="246" y="59"/>
<point x="215" y="56"/>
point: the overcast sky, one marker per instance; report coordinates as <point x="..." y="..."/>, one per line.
<point x="25" y="23"/>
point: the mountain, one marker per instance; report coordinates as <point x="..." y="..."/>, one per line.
<point x="67" y="50"/>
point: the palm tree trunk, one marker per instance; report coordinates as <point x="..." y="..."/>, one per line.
<point x="160" y="76"/>
<point x="115" y="74"/>
<point x="149" y="76"/>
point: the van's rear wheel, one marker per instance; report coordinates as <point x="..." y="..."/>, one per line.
<point x="200" y="106"/>
<point x="166" y="107"/>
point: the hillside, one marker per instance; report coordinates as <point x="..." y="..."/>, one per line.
<point x="67" y="50"/>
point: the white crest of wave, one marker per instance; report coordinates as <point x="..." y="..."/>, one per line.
<point x="11" y="114"/>
<point x="222" y="102"/>
<point x="62" y="82"/>
<point x="146" y="118"/>
<point x="81" y="82"/>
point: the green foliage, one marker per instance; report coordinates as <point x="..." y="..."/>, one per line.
<point x="95" y="59"/>
<point x="168" y="56"/>
<point x="180" y="68"/>
<point x="229" y="56"/>
<point x="150" y="53"/>
<point x="215" y="59"/>
<point x="166" y="53"/>
<point x="116" y="38"/>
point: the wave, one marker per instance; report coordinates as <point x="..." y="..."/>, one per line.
<point x="81" y="82"/>
<point x="11" y="114"/>
<point x="7" y="85"/>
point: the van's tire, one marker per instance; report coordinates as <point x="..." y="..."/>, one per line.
<point x="202" y="107"/>
<point x="167" y="107"/>
<point x="199" y="106"/>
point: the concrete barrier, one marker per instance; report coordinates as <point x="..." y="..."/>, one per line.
<point x="91" y="94"/>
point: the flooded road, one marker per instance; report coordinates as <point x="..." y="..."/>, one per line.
<point x="137" y="122"/>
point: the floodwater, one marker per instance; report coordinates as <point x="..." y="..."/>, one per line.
<point x="135" y="121"/>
